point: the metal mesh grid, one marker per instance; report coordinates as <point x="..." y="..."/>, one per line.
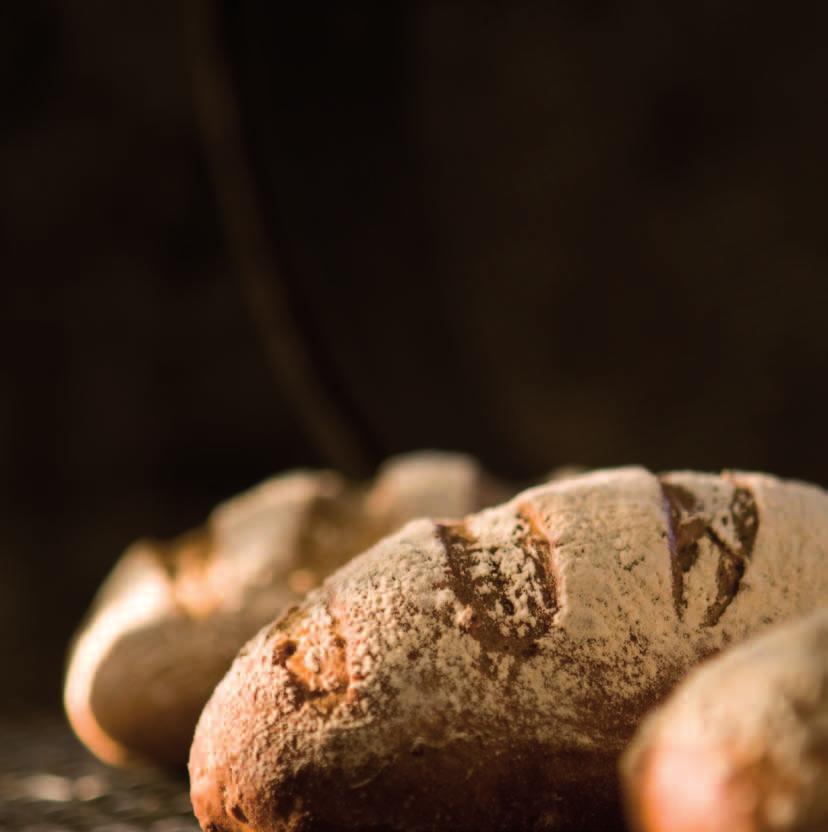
<point x="50" y="783"/>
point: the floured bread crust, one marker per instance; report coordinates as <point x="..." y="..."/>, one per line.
<point x="486" y="673"/>
<point x="742" y="744"/>
<point x="170" y="618"/>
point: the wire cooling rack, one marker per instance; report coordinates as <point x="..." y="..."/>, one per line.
<point x="50" y="783"/>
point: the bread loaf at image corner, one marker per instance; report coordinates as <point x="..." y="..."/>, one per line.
<point x="169" y="620"/>
<point x="742" y="744"/>
<point x="486" y="673"/>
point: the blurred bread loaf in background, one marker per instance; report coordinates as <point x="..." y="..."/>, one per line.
<point x="171" y="616"/>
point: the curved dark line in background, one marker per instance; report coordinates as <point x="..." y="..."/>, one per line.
<point x="256" y="263"/>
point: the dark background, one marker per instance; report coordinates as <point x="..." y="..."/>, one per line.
<point x="546" y="233"/>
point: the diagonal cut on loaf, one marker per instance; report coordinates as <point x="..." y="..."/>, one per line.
<point x="486" y="673"/>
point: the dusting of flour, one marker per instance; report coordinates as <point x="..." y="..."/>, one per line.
<point x="553" y="620"/>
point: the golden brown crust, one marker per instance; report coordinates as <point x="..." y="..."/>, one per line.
<point x="485" y="674"/>
<point x="171" y="617"/>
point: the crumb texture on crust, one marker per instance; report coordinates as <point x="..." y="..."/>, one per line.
<point x="749" y="732"/>
<point x="170" y="618"/>
<point x="486" y="673"/>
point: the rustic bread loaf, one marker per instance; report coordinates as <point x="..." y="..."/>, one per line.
<point x="742" y="744"/>
<point x="170" y="618"/>
<point x="485" y="674"/>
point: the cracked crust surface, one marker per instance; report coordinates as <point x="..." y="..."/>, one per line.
<point x="486" y="674"/>
<point x="742" y="744"/>
<point x="171" y="617"/>
<point x="728" y="519"/>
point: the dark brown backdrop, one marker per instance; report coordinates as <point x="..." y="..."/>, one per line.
<point x="545" y="233"/>
<point x="134" y="392"/>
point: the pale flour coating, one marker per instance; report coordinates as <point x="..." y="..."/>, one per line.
<point x="515" y="650"/>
